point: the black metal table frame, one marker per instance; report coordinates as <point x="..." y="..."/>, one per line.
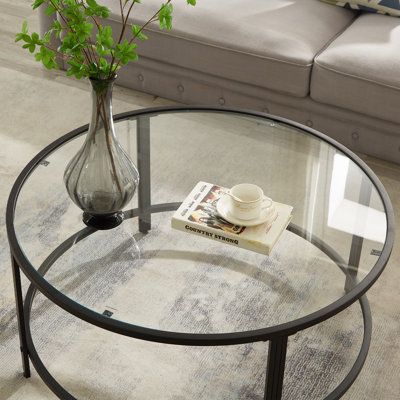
<point x="276" y="335"/>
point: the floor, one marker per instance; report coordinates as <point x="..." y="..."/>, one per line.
<point x="38" y="106"/>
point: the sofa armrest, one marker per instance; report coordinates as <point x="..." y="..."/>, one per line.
<point x="45" y="23"/>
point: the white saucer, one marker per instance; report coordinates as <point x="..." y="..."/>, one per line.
<point x="223" y="211"/>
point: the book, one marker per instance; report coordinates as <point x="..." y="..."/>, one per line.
<point x="198" y="215"/>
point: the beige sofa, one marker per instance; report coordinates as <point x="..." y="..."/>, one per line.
<point x="324" y="66"/>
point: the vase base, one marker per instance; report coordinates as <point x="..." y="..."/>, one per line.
<point x="103" y="222"/>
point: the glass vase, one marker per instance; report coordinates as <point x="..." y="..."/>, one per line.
<point x="101" y="179"/>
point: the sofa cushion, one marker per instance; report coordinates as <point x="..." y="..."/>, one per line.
<point x="389" y="7"/>
<point x="360" y="70"/>
<point x="270" y="44"/>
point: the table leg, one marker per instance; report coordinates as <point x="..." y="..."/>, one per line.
<point x="143" y="159"/>
<point x="20" y="317"/>
<point x="354" y="261"/>
<point x="275" y="368"/>
<point x="357" y="241"/>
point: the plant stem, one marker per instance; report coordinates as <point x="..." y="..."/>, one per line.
<point x="152" y="19"/>
<point x="122" y="10"/>
<point x="93" y="18"/>
<point x="101" y="110"/>
<point x="90" y="45"/>
<point x="121" y="35"/>
<point x="88" y="57"/>
<point x="65" y="56"/>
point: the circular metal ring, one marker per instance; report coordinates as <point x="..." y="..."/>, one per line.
<point x="285" y="329"/>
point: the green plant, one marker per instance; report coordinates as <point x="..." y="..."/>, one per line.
<point x="87" y="44"/>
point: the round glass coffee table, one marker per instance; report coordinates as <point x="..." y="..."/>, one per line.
<point x="147" y="281"/>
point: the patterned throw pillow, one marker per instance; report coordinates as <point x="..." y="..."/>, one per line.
<point x="389" y="7"/>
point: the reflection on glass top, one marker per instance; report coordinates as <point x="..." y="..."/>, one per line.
<point x="177" y="274"/>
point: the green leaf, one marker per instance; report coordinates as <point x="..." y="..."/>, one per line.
<point x="93" y="8"/>
<point x="37" y="3"/>
<point x="23" y="35"/>
<point x="125" y="52"/>
<point x="48" y="59"/>
<point x="35" y="38"/>
<point x="77" y="69"/>
<point x="105" y="37"/>
<point x="83" y="31"/>
<point x="138" y="33"/>
<point x="47" y="56"/>
<point x="50" y="10"/>
<point x="71" y="45"/>
<point x="57" y="28"/>
<point x="30" y="46"/>
<point x="104" y="41"/>
<point x="19" y="36"/>
<point x="165" y="16"/>
<point x="103" y="67"/>
<point x="47" y="37"/>
<point x="24" y="27"/>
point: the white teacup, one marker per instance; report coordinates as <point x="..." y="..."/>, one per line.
<point x="247" y="201"/>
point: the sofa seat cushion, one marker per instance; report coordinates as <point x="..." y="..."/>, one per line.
<point x="270" y="44"/>
<point x="360" y="70"/>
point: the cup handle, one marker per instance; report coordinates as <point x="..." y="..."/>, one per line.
<point x="266" y="203"/>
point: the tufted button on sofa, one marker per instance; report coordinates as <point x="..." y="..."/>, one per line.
<point x="321" y="65"/>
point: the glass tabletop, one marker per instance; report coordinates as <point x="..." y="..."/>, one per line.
<point x="174" y="281"/>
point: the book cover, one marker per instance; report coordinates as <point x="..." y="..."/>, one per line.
<point x="198" y="215"/>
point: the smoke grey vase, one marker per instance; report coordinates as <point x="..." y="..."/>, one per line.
<point x="101" y="179"/>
